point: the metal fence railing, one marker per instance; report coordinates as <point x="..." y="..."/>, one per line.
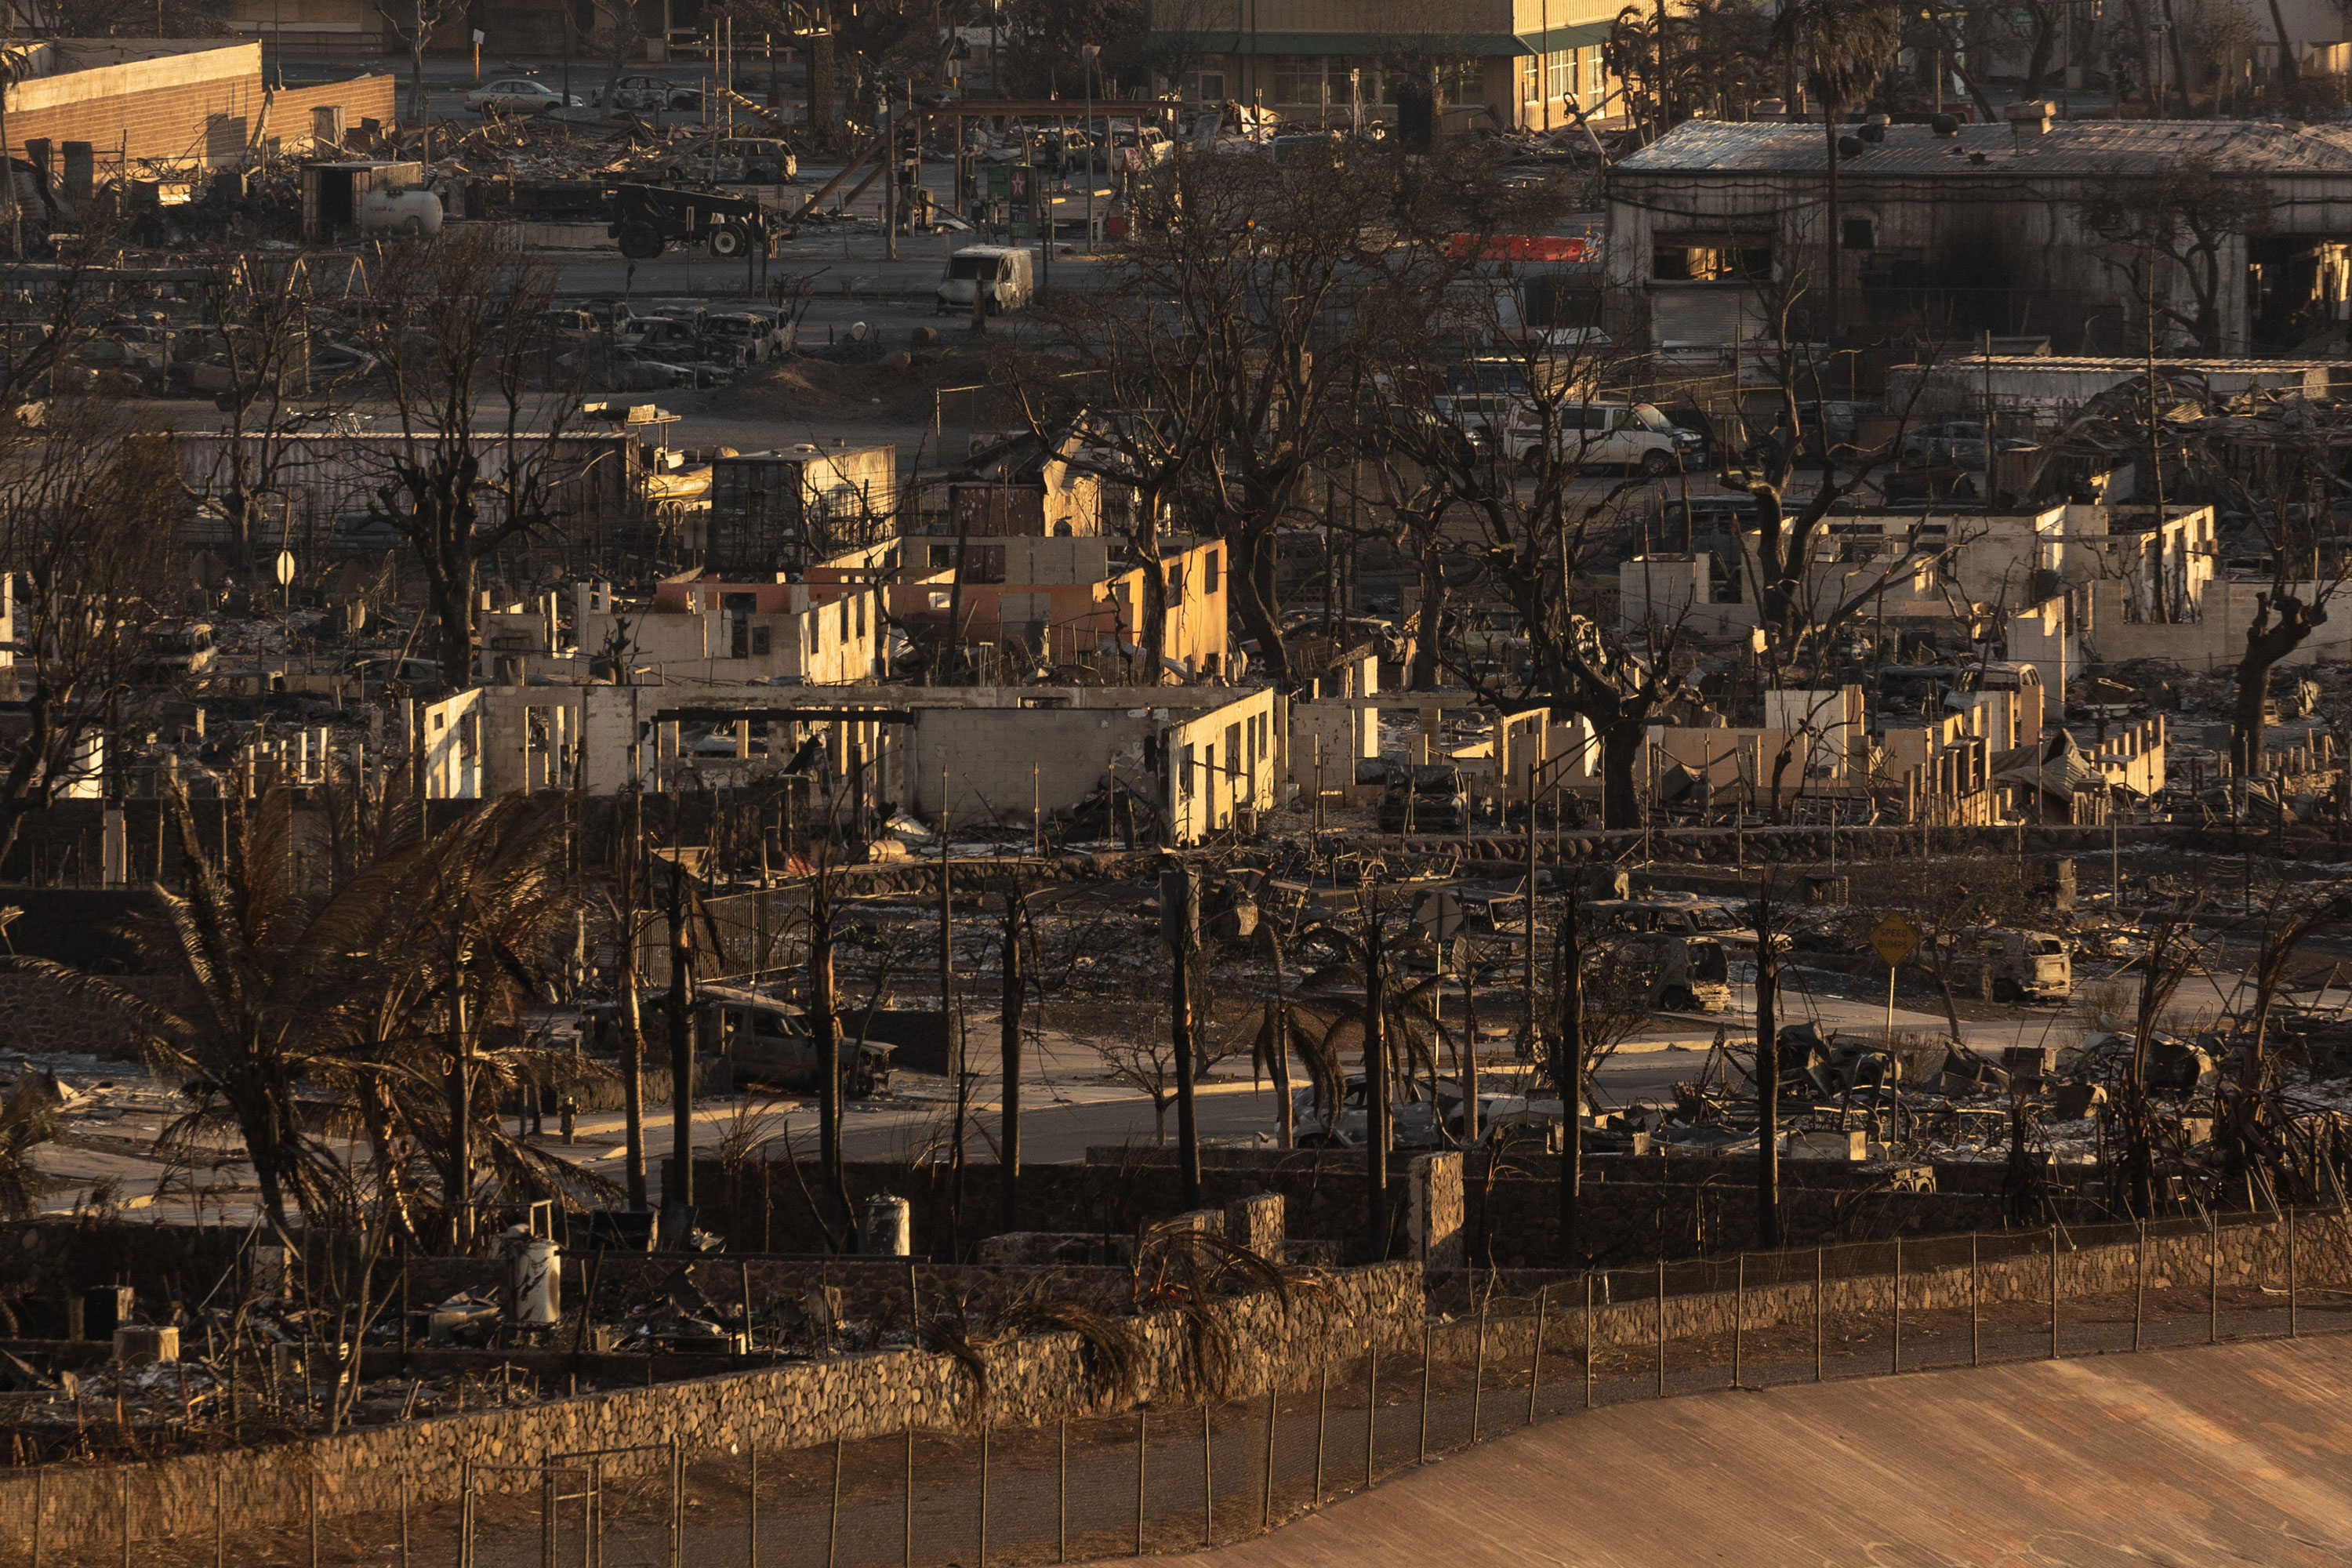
<point x="1501" y="1352"/>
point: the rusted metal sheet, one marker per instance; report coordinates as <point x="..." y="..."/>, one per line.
<point x="2240" y="1454"/>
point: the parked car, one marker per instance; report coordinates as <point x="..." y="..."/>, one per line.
<point x="1002" y="274"/>
<point x="1134" y="150"/>
<point x="1680" y="973"/>
<point x="1431" y="797"/>
<point x="2010" y="965"/>
<point x="735" y="161"/>
<point x="650" y="94"/>
<point x="672" y="336"/>
<point x="749" y="337"/>
<point x="1634" y="436"/>
<point x="1959" y="444"/>
<point x="1485" y="418"/>
<point x="637" y="372"/>
<point x="519" y="95"/>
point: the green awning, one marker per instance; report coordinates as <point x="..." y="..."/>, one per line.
<point x="1476" y="46"/>
<point x="1583" y="36"/>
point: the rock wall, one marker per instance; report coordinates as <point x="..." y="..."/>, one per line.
<point x="2248" y="1254"/>
<point x="1242" y="1347"/>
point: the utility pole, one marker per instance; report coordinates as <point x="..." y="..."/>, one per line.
<point x="889" y="177"/>
<point x="1528" y="1029"/>
<point x="1768" y="1073"/>
<point x="632" y="1019"/>
<point x="1568" y="1074"/>
<point x="1278" y="1035"/>
<point x="461" y="1120"/>
<point x="1086" y="53"/>
<point x="1179" y="915"/>
<point x="1008" y="1155"/>
<point x="677" y="1192"/>
<point x="946" y="949"/>
<point x="826" y="1020"/>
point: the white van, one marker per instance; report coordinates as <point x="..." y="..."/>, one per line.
<point x="1633" y="435"/>
<point x="1001" y="274"/>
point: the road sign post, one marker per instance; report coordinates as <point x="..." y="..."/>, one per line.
<point x="1894" y="942"/>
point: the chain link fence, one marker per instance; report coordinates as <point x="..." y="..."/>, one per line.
<point x="1501" y="1351"/>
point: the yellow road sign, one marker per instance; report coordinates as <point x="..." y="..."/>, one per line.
<point x="1893" y="940"/>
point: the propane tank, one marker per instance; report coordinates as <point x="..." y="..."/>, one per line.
<point x="535" y="1275"/>
<point x="397" y="212"/>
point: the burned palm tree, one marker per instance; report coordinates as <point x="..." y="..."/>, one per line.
<point x="1842" y="47"/>
<point x="26" y="1119"/>
<point x="262" y="974"/>
<point x="306" y="1010"/>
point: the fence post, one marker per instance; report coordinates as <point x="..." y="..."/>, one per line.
<point x="39" y="1487"/>
<point x="1975" y="1288"/>
<point x="1662" y="1326"/>
<point x="1817" y="1314"/>
<point x="2139" y="1285"/>
<point x="751" y="1502"/>
<point x="910" y="1547"/>
<point x="547" y="1515"/>
<point x="2294" y="1317"/>
<point x="1142" y="1427"/>
<point x="1426" y="1343"/>
<point x="1062" y="1498"/>
<point x="2053" y="1292"/>
<point x="1535" y="1359"/>
<point x="1739" y="1319"/>
<point x="122" y="1496"/>
<point x="1208" y="1484"/>
<point x="1273" y="1416"/>
<point x="404" y="1519"/>
<point x="984" y="1493"/>
<point x="832" y="1513"/>
<point x="2213" y="1277"/>
<point x="1895" y="1361"/>
<point x="1322" y="1419"/>
<point x="1372" y="1409"/>
<point x="1591" y="1347"/>
<point x="1478" y="1367"/>
<point x="677" y="1499"/>
<point x="310" y="1465"/>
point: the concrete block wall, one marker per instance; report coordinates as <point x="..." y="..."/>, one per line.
<point x="359" y="98"/>
<point x="1434" y="1224"/>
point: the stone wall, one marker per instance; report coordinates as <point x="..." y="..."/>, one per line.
<point x="2242" y="1254"/>
<point x="1258" y="1342"/>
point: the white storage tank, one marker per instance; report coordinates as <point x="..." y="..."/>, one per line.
<point x="397" y="212"/>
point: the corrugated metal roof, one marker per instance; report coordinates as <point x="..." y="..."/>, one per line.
<point x="2070" y="147"/>
<point x="2130" y="364"/>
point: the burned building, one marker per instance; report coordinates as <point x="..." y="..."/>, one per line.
<point x="777" y="509"/>
<point x="1950" y="231"/>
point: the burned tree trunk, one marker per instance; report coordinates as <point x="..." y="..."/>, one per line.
<point x="2282" y="624"/>
<point x="823" y="1014"/>
<point x="1567" y="1072"/>
<point x="1620" y="745"/>
<point x="1768" y="1074"/>
<point x="1376" y="1085"/>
